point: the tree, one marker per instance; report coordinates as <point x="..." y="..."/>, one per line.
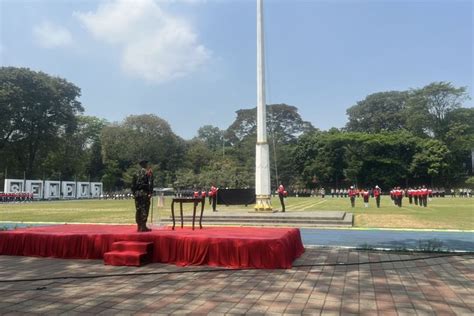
<point x="143" y="137"/>
<point x="460" y="129"/>
<point x="431" y="160"/>
<point x="320" y="157"/>
<point x="342" y="158"/>
<point x="154" y="140"/>
<point x="284" y="124"/>
<point x="37" y="109"/>
<point x="459" y="139"/>
<point x="112" y="178"/>
<point x="88" y="135"/>
<point x="223" y="172"/>
<point x="429" y="107"/>
<point x="78" y="155"/>
<point x="212" y="136"/>
<point x="197" y="155"/>
<point x="383" y="158"/>
<point x="378" y="112"/>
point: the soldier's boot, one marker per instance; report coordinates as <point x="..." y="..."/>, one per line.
<point x="141" y="226"/>
<point x="144" y="228"/>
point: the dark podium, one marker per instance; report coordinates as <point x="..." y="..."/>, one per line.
<point x="195" y="201"/>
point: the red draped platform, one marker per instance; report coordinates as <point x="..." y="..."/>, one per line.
<point x="236" y="247"/>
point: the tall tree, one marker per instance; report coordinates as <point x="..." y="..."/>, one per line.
<point x="431" y="160"/>
<point x="284" y="124"/>
<point x="429" y="107"/>
<point x="223" y="172"/>
<point x="77" y="156"/>
<point x="459" y="139"/>
<point x="197" y="155"/>
<point x="342" y="158"/>
<point x="37" y="109"/>
<point x="378" y="112"/>
<point x="143" y="137"/>
<point x="212" y="136"/>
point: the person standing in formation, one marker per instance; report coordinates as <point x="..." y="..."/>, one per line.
<point x="416" y="195"/>
<point x="377" y="193"/>
<point x="281" y="194"/>
<point x="352" y="195"/>
<point x="213" y="197"/>
<point x="410" y="195"/>
<point x="142" y="189"/>
<point x="365" y="196"/>
<point x="398" y="196"/>
<point x="424" y="196"/>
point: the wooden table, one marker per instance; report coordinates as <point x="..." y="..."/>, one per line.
<point x="195" y="201"/>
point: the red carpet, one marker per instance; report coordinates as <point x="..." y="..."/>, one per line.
<point x="237" y="247"/>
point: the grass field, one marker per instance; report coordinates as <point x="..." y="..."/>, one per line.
<point x="441" y="213"/>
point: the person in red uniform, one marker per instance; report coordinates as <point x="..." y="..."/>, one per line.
<point x="213" y="196"/>
<point x="377" y="193"/>
<point x="281" y="194"/>
<point x="424" y="196"/>
<point x="398" y="196"/>
<point x="410" y="195"/>
<point x="365" y="195"/>
<point x="352" y="195"/>
<point x="416" y="195"/>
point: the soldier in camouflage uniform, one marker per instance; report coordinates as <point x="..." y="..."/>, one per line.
<point x="142" y="189"/>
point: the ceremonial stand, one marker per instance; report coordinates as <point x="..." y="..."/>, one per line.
<point x="195" y="201"/>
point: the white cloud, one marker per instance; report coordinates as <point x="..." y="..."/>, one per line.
<point x="155" y="45"/>
<point x="49" y="35"/>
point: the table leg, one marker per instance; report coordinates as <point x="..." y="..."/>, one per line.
<point x="172" y="213"/>
<point x="202" y="211"/>
<point x="181" y="211"/>
<point x="194" y="212"/>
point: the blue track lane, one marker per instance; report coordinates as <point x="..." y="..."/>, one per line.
<point x="392" y="239"/>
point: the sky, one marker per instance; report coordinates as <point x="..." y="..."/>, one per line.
<point x="193" y="62"/>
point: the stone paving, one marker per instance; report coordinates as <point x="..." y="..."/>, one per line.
<point x="326" y="281"/>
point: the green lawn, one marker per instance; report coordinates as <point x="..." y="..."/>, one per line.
<point x="441" y="213"/>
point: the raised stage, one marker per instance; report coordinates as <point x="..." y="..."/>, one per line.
<point x="235" y="247"/>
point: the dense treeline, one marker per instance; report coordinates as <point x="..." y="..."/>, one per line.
<point x="392" y="138"/>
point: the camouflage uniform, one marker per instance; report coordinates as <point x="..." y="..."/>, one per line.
<point x="142" y="189"/>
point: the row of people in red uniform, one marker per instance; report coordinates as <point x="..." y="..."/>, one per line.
<point x="365" y="194"/>
<point x="418" y="195"/>
<point x="16" y="197"/>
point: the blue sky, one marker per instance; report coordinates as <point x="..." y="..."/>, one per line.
<point x="192" y="62"/>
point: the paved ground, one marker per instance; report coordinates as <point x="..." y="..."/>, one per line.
<point x="418" y="285"/>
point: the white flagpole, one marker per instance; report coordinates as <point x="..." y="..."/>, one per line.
<point x="262" y="156"/>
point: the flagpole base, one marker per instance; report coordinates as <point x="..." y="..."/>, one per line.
<point x="263" y="204"/>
